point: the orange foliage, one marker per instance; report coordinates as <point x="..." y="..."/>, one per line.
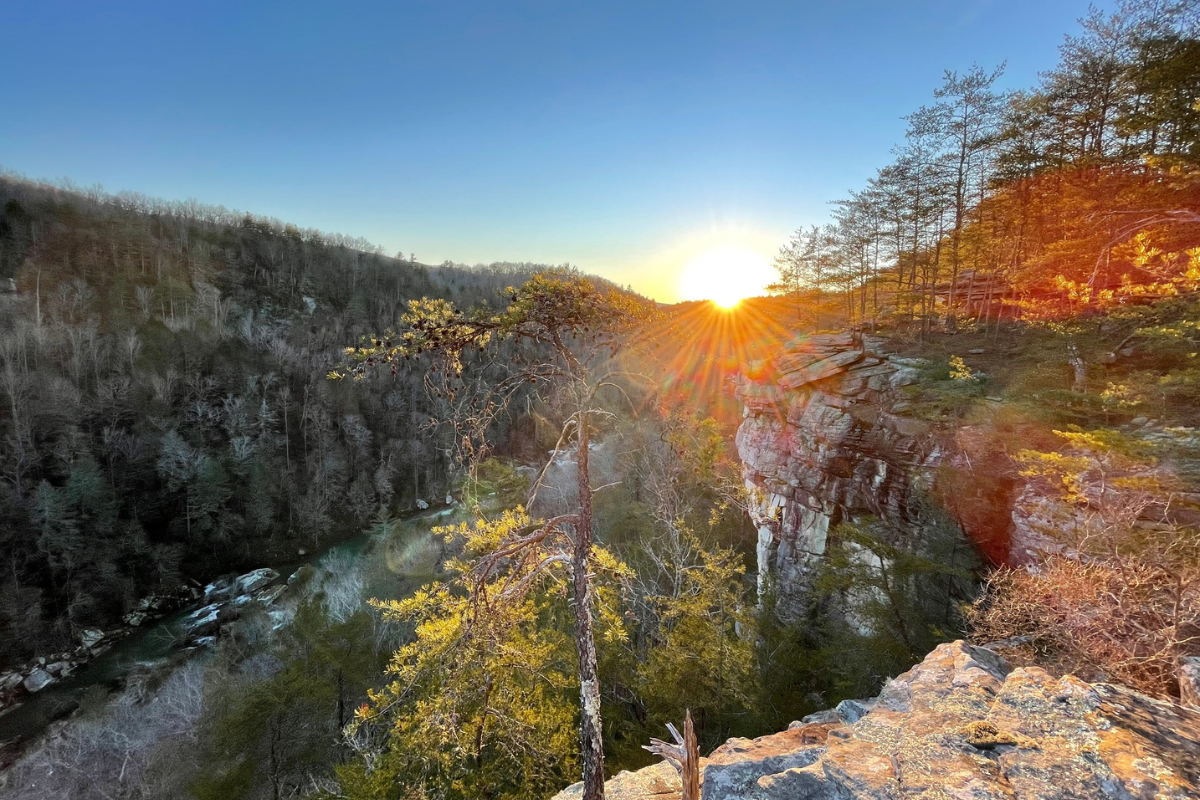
<point x="1080" y="239"/>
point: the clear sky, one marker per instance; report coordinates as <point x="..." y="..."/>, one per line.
<point x="625" y="138"/>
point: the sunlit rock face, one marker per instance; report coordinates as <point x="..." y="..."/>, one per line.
<point x="961" y="724"/>
<point x="822" y="443"/>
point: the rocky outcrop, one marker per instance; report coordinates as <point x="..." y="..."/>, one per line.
<point x="1042" y="522"/>
<point x="961" y="724"/>
<point x="226" y="598"/>
<point x="823" y="442"/>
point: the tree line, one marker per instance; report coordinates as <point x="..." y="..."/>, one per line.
<point x="1078" y="193"/>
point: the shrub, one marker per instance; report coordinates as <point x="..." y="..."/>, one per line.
<point x="1123" y="620"/>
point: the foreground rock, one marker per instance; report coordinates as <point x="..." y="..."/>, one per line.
<point x="962" y="724"/>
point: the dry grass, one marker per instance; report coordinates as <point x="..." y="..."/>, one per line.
<point x="1124" y="621"/>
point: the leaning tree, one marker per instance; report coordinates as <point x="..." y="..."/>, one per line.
<point x="559" y="337"/>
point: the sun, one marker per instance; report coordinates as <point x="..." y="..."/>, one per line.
<point x="725" y="275"/>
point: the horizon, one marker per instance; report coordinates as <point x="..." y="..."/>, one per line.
<point x="659" y="137"/>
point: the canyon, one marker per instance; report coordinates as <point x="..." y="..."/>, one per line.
<point x="829" y="438"/>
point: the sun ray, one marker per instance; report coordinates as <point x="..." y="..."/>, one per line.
<point x="699" y="348"/>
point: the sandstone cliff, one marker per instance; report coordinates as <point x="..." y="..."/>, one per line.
<point x="961" y="724"/>
<point x="822" y="443"/>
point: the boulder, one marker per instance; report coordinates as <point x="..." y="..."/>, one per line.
<point x="851" y="711"/>
<point x="421" y="504"/>
<point x="135" y="618"/>
<point x="962" y="724"/>
<point x="798" y="371"/>
<point x="254" y="580"/>
<point x="817" y="718"/>
<point x="846" y="712"/>
<point x="658" y="782"/>
<point x="91" y="637"/>
<point x="37" y="680"/>
<point x="270" y="595"/>
<point x="218" y="590"/>
<point x="10" y="681"/>
<point x="59" y="668"/>
<point x="203" y="621"/>
<point x="735" y="767"/>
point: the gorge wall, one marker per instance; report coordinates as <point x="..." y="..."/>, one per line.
<point x="830" y="436"/>
<point x="823" y="442"/>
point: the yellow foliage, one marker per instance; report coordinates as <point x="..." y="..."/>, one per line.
<point x="959" y="371"/>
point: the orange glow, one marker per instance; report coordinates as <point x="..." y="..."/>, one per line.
<point x="699" y="348"/>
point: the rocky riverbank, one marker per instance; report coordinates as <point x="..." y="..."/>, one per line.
<point x="37" y="680"/>
<point x="38" y="673"/>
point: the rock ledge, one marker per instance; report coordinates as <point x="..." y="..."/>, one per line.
<point x="961" y="724"/>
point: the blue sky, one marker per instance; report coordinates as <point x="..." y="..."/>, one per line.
<point x="621" y="137"/>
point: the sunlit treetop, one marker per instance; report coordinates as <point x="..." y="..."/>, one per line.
<point x="575" y="316"/>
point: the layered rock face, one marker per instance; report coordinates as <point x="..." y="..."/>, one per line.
<point x="822" y="443"/>
<point x="961" y="724"/>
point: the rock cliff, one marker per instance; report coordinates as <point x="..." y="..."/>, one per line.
<point x="961" y="724"/>
<point x="822" y="443"/>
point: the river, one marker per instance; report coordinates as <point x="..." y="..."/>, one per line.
<point x="150" y="647"/>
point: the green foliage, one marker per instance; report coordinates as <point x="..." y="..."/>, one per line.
<point x="482" y="700"/>
<point x="947" y="390"/>
<point x="906" y="600"/>
<point x="273" y="720"/>
<point x="700" y="656"/>
<point x="960" y="372"/>
<point x="886" y="604"/>
<point x="495" y="484"/>
<point x="554" y="307"/>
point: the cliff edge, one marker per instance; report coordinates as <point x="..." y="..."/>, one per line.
<point x="961" y="724"/>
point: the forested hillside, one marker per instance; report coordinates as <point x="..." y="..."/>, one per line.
<point x="165" y="413"/>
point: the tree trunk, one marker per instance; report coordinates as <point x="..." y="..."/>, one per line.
<point x="341" y="703"/>
<point x="1079" y="366"/>
<point x="585" y="644"/>
<point x="684" y="756"/>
